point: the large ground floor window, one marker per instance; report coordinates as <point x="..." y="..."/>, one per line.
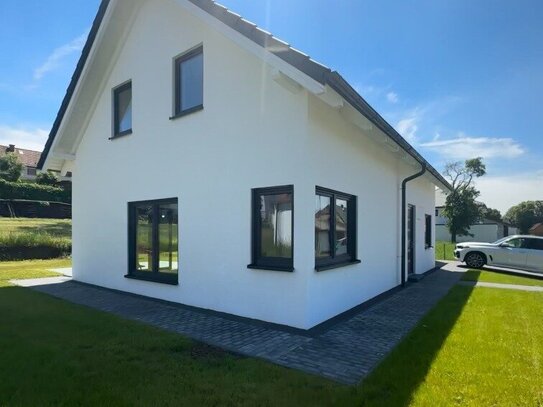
<point x="153" y="240"/>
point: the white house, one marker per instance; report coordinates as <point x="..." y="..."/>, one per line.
<point x="216" y="166"/>
<point x="485" y="230"/>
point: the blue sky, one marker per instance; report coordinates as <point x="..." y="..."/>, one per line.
<point x="457" y="78"/>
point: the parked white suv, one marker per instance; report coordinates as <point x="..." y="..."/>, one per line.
<point x="518" y="252"/>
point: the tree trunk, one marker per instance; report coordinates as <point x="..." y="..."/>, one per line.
<point x="453" y="236"/>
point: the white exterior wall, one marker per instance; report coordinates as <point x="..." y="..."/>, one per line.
<point x="252" y="133"/>
<point x="481" y="233"/>
<point x="344" y="158"/>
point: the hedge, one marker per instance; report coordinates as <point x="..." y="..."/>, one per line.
<point x="33" y="191"/>
<point x="33" y="245"/>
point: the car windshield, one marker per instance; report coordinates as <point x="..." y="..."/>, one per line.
<point x="503" y="239"/>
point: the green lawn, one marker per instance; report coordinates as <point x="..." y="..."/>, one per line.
<point x="444" y="250"/>
<point x="54" y="227"/>
<point x="496" y="277"/>
<point x="477" y="347"/>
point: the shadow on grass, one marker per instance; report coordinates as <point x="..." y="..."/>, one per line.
<point x="396" y="380"/>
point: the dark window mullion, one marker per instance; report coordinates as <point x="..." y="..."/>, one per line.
<point x="155" y="247"/>
<point x="333" y="226"/>
<point x="178" y="86"/>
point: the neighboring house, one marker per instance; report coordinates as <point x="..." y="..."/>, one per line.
<point x="29" y="159"/>
<point x="208" y="159"/>
<point x="486" y="230"/>
<point x="537" y="229"/>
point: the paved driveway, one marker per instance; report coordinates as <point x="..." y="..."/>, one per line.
<point x="345" y="351"/>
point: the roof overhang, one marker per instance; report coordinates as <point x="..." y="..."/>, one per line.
<point x="295" y="66"/>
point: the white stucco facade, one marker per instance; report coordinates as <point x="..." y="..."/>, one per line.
<point x="257" y="129"/>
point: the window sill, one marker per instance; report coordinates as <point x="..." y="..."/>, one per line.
<point x="428" y="247"/>
<point x="124" y="133"/>
<point x="154" y="279"/>
<point x="188" y="111"/>
<point x="337" y="265"/>
<point x="273" y="268"/>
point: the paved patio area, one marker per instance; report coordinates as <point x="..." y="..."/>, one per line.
<point x="344" y="351"/>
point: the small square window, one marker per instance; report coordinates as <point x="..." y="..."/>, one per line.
<point x="31" y="171"/>
<point x="122" y="110"/>
<point x="189" y="82"/>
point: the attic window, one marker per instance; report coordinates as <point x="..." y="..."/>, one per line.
<point x="122" y="110"/>
<point x="189" y="82"/>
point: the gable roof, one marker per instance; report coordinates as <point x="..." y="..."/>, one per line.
<point x="29" y="158"/>
<point x="535" y="227"/>
<point x="318" y="72"/>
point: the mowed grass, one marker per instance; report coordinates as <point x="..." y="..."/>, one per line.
<point x="444" y="250"/>
<point x="502" y="278"/>
<point x="53" y="227"/>
<point x="477" y="347"/>
<point x="12" y="270"/>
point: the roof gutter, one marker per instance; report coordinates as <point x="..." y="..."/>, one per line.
<point x="404" y="216"/>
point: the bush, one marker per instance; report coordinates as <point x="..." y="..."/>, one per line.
<point x="33" y="245"/>
<point x="47" y="178"/>
<point x="10" y="167"/>
<point x="33" y="192"/>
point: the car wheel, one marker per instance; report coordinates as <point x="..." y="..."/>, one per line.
<point x="475" y="260"/>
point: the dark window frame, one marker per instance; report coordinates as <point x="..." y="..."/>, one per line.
<point x="258" y="261"/>
<point x="154" y="275"/>
<point x="428" y="231"/>
<point x="178" y="110"/>
<point x="116" y="119"/>
<point x="334" y="261"/>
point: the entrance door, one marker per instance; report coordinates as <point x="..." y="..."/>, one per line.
<point x="410" y="239"/>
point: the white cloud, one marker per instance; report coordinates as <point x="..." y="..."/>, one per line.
<point x="464" y="147"/>
<point x="408" y="127"/>
<point x="54" y="60"/>
<point x="392" y="97"/>
<point x="503" y="192"/>
<point x="32" y="138"/>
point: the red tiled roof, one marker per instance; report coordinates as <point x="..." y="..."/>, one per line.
<point x="29" y="158"/>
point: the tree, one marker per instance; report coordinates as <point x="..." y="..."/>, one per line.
<point x="461" y="209"/>
<point x="525" y="215"/>
<point x="47" y="178"/>
<point x="490" y="213"/>
<point x="10" y="167"/>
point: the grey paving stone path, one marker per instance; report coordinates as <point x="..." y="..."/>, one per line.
<point x="502" y="286"/>
<point x="345" y="351"/>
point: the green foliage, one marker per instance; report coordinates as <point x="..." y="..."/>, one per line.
<point x="34" y="238"/>
<point x="461" y="209"/>
<point x="47" y="178"/>
<point x="525" y="215"/>
<point x="33" y="192"/>
<point x="490" y="213"/>
<point x="10" y="167"/>
<point x="32" y="245"/>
